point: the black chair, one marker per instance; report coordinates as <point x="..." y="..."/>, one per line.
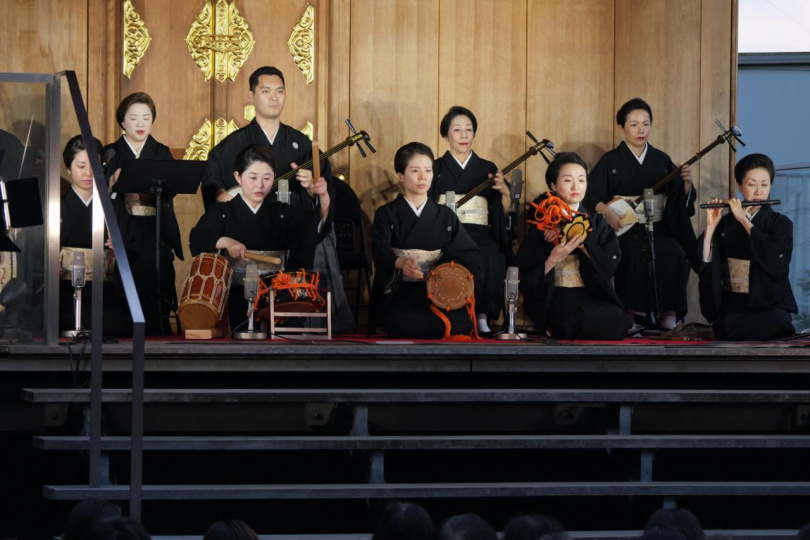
<point x="352" y="247"/>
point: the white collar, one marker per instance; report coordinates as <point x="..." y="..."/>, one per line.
<point x="751" y="216"/>
<point x="417" y="211"/>
<point x="643" y="154"/>
<point x="575" y="208"/>
<point x="269" y="138"/>
<point x="252" y="209"/>
<point x="460" y="164"/>
<point x="138" y="152"/>
<point x="85" y="201"/>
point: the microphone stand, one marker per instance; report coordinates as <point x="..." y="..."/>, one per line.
<point x="511" y="333"/>
<point x="78" y="282"/>
<point x="651" y="323"/>
<point x="251" y="290"/>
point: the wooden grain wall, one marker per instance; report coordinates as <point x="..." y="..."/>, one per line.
<point x="555" y="67"/>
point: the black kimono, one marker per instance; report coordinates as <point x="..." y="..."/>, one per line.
<point x="289" y="146"/>
<point x="275" y="226"/>
<point x="400" y="307"/>
<point x="76" y="232"/>
<point x="142" y="250"/>
<point x="493" y="239"/>
<point x="592" y="311"/>
<point x="764" y="312"/>
<point x="618" y="172"/>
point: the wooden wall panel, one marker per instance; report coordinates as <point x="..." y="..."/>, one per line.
<point x="395" y="88"/>
<point x="569" y="80"/>
<point x="335" y="71"/>
<point x="482" y="66"/>
<point x="40" y="36"/>
<point x="104" y="60"/>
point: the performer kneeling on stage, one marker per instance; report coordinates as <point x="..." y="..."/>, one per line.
<point x="409" y="235"/>
<point x="744" y="285"/>
<point x="248" y="222"/>
<point x="567" y="288"/>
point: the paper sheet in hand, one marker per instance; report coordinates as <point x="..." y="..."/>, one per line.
<point x="621" y="206"/>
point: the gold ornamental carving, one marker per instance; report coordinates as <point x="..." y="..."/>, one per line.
<point x="250" y="112"/>
<point x="302" y="44"/>
<point x="308" y="129"/>
<point x="136" y="38"/>
<point x="208" y="136"/>
<point x="220" y="41"/>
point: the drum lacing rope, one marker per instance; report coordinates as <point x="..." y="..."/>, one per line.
<point x="551" y="212"/>
<point x="446" y="321"/>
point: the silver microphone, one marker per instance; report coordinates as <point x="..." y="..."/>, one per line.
<point x="78" y="270"/>
<point x="251" y="281"/>
<point x="283" y="194"/>
<point x="510" y="294"/>
<point x="649" y="203"/>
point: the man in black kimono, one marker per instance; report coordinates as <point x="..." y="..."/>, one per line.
<point x="625" y="172"/>
<point x="568" y="289"/>
<point x="399" y="302"/>
<point x="484" y="217"/>
<point x="136" y="143"/>
<point x="291" y="148"/>
<point x="744" y="276"/>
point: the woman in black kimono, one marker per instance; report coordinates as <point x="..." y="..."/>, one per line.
<point x="745" y="261"/>
<point x="250" y="222"/>
<point x="414" y="222"/>
<point x="135" y="114"/>
<point x="567" y="289"/>
<point x="484" y="217"/>
<point x="76" y="233"/>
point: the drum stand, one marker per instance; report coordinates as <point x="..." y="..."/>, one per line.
<point x="302" y="333"/>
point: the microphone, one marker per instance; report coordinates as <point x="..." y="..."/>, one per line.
<point x="283" y="194"/>
<point x="510" y="293"/>
<point x="251" y="281"/>
<point x="515" y="190"/>
<point x="78" y="270"/>
<point x="108" y="157"/>
<point x="649" y="204"/>
<point x="450" y="200"/>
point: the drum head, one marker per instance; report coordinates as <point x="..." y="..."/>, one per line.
<point x="450" y="286"/>
<point x="580" y="225"/>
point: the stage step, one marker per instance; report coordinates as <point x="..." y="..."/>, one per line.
<point x="432" y="490"/>
<point x="747" y="534"/>
<point x="249" y="395"/>
<point x="428" y="442"/>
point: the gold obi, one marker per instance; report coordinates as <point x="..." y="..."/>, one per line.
<point x="660" y="201"/>
<point x="566" y="273"/>
<point x="425" y="259"/>
<point x="66" y="261"/>
<point x="735" y="275"/>
<point x="140" y="204"/>
<point x="474" y="212"/>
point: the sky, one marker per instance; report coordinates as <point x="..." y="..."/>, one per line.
<point x="774" y="26"/>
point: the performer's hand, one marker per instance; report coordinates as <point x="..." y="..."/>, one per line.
<point x="713" y="215"/>
<point x="564" y="249"/>
<point x="108" y="243"/>
<point x="234" y="248"/>
<point x="735" y="207"/>
<point x="499" y="184"/>
<point x="409" y="268"/>
<point x="223" y="196"/>
<point x="317" y="187"/>
<point x="551" y="234"/>
<point x="686" y="174"/>
<point x="304" y="176"/>
<point x="613" y="219"/>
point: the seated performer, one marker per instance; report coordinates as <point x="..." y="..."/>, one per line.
<point x="567" y="288"/>
<point x="460" y="170"/>
<point x="413" y="222"/>
<point x="249" y="222"/>
<point x="744" y="285"/>
<point x="626" y="171"/>
<point x="292" y="148"/>
<point x="135" y="115"/>
<point x="76" y="233"/>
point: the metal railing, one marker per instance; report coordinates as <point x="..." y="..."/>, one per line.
<point x="102" y="213"/>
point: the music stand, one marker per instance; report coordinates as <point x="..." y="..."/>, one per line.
<point x="159" y="176"/>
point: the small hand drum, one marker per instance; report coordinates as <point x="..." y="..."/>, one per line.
<point x="295" y="292"/>
<point x="450" y="286"/>
<point x="580" y="224"/>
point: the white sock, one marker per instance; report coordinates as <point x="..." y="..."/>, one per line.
<point x="668" y="322"/>
<point x="482" y="324"/>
